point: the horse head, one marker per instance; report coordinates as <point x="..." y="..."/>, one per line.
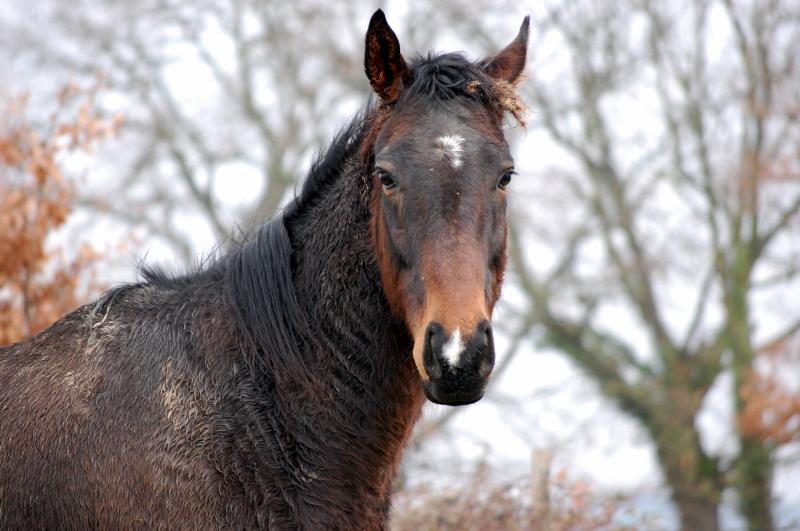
<point x="440" y="170"/>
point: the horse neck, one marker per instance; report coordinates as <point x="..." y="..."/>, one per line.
<point x="339" y="288"/>
<point x="361" y="353"/>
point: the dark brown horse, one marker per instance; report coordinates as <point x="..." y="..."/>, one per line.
<point x="276" y="387"/>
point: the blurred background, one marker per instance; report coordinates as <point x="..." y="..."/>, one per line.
<point x="649" y="331"/>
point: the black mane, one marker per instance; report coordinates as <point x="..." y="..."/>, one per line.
<point x="259" y="274"/>
<point x="329" y="165"/>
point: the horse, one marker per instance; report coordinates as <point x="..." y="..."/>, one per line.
<point x="276" y="386"/>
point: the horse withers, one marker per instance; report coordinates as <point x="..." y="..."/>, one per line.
<point x="277" y="386"/>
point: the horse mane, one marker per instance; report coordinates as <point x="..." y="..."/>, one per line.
<point x="329" y="165"/>
<point x="257" y="275"/>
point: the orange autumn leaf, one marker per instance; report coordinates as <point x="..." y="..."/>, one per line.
<point x="38" y="283"/>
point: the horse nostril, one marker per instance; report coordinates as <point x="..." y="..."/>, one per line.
<point x="482" y="336"/>
<point x="434" y="340"/>
<point x="484" y="332"/>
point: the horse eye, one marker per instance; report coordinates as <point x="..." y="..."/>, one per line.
<point x="505" y="179"/>
<point x="386" y="179"/>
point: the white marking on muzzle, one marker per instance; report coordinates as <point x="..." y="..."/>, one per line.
<point x="452" y="148"/>
<point x="453" y="348"/>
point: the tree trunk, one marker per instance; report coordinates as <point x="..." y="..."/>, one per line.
<point x="696" y="512"/>
<point x="754" y="465"/>
<point x="754" y="484"/>
<point x="693" y="476"/>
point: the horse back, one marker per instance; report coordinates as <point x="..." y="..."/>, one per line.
<point x="101" y="421"/>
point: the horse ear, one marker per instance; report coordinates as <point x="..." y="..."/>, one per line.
<point x="508" y="63"/>
<point x="385" y="67"/>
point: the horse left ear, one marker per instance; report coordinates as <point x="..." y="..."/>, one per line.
<point x="508" y="63"/>
<point x="385" y="67"/>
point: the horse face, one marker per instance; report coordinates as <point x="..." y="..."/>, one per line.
<point x="442" y="225"/>
<point x="441" y="170"/>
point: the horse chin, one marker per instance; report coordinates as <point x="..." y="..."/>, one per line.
<point x="459" y="398"/>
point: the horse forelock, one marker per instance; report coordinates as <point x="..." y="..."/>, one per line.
<point x="444" y="77"/>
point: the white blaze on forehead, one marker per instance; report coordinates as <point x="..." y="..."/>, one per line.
<point x="453" y="348"/>
<point x="451" y="147"/>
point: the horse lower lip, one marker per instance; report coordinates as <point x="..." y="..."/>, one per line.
<point x="455" y="399"/>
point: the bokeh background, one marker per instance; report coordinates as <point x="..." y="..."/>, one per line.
<point x="649" y="332"/>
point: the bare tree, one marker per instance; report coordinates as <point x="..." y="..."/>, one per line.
<point x="205" y="85"/>
<point x="678" y="127"/>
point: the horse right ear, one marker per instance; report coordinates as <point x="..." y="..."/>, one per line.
<point x="385" y="67"/>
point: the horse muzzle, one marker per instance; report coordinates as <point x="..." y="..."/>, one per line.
<point x="458" y="365"/>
